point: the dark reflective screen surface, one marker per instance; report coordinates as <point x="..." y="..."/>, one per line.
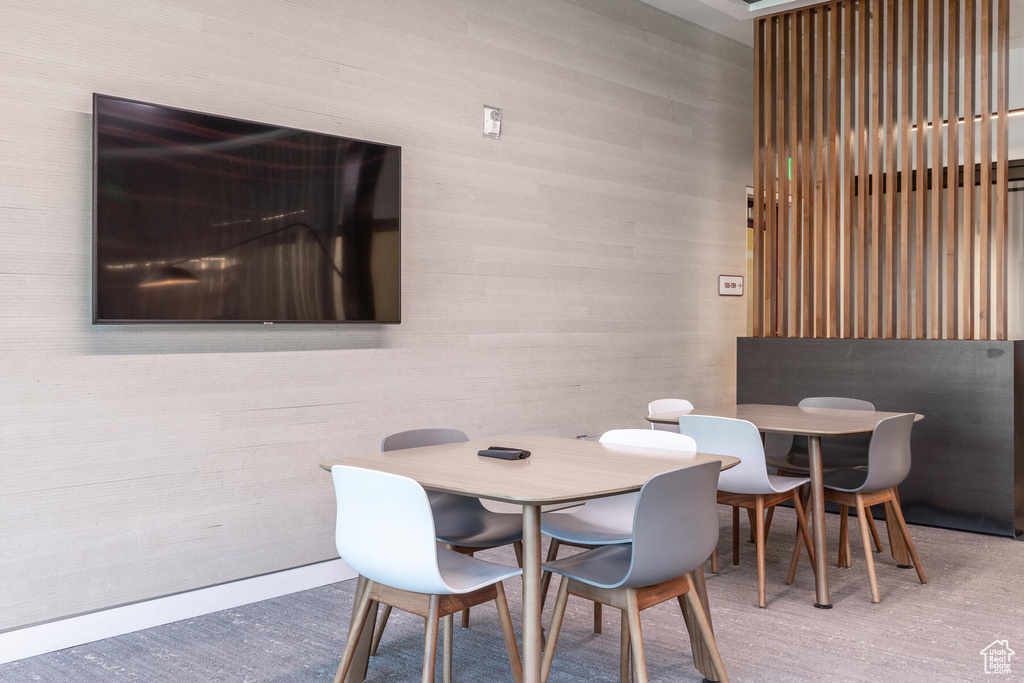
<point x="205" y="218"/>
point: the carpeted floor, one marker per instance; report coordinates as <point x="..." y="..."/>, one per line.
<point x="932" y="632"/>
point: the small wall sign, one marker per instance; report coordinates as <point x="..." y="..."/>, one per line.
<point x="730" y="285"/>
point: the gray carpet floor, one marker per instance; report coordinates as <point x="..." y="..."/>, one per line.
<point x="932" y="632"/>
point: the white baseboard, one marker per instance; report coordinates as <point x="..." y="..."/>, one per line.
<point x="86" y="628"/>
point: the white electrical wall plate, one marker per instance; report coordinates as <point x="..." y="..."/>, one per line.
<point x="492" y="122"/>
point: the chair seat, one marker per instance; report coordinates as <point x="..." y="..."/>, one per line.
<point x="846" y="480"/>
<point x="604" y="567"/>
<point x="797" y="462"/>
<point x="483" y="529"/>
<point x="465" y="574"/>
<point x="604" y="521"/>
<point x="778" y="485"/>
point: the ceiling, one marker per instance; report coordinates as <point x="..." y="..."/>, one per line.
<point x="734" y="18"/>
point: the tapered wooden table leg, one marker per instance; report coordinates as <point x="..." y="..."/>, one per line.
<point x="897" y="545"/>
<point x="702" y="657"/>
<point x="361" y="659"/>
<point x="818" y="523"/>
<point x="531" y="594"/>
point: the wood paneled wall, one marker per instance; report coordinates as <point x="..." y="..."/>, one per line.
<point x="553" y="281"/>
<point x="866" y="115"/>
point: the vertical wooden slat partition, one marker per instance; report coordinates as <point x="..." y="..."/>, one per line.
<point x="874" y="221"/>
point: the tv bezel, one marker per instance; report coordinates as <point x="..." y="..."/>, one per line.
<point x="96" y="320"/>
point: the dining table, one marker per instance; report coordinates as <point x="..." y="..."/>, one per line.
<point x="558" y="471"/>
<point x="814" y="423"/>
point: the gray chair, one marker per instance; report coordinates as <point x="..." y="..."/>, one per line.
<point x="607" y="521"/>
<point x="675" y="528"/>
<point x="788" y="454"/>
<point x="667" y="405"/>
<point x="461" y="522"/>
<point x="888" y="465"/>
<point x="747" y="485"/>
<point x="386" y="533"/>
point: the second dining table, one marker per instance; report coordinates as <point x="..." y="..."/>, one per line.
<point x="560" y="470"/>
<point x="814" y="423"/>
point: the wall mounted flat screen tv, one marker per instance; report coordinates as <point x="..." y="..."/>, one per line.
<point x="202" y="218"/>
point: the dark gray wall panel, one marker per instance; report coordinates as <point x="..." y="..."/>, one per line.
<point x="963" y="474"/>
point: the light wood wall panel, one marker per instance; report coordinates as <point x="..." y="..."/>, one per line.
<point x="554" y="281"/>
<point x="896" y="216"/>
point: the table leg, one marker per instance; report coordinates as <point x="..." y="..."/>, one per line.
<point x="531" y="595"/>
<point x="818" y="523"/>
<point x="702" y="658"/>
<point x="361" y="659"/>
<point x="897" y="545"/>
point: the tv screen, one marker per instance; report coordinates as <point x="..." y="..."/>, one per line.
<point x="202" y="218"/>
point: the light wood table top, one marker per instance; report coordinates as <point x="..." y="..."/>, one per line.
<point x="559" y="470"/>
<point x="790" y="419"/>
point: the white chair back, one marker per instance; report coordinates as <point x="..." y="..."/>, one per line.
<point x="889" y="453"/>
<point x="738" y="438"/>
<point x="385" y="530"/>
<point x="667" y="405"/>
<point x="647" y="438"/>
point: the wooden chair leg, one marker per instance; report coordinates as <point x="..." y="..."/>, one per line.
<point x="735" y="536"/>
<point x="768" y="521"/>
<point x="750" y="519"/>
<point x="597" y="618"/>
<point x="636" y="638"/>
<point x="624" y="652"/>
<point x="354" y="631"/>
<point x="803" y="536"/>
<point x="714" y="561"/>
<point x="865" y="537"/>
<point x="844" y="536"/>
<point x="545" y="579"/>
<point x="762" y="597"/>
<point x="703" y="622"/>
<point x="795" y="560"/>
<point x="556" y="625"/>
<point x="906" y="536"/>
<point x="465" y="612"/>
<point x="379" y="631"/>
<point x="430" y="639"/>
<point x="874" y="532"/>
<point x="518" y="548"/>
<point x="509" y="634"/>
<point x="448" y="628"/>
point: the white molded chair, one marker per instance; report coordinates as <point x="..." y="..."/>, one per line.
<point x="888" y="466"/>
<point x="461" y="522"/>
<point x="667" y="405"/>
<point x="607" y="521"/>
<point x="748" y="484"/>
<point x="674" y="529"/>
<point x="385" y="532"/>
<point x="787" y="454"/>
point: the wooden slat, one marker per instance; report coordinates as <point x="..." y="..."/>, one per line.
<point x="835" y="206"/>
<point x="820" y="171"/>
<point x="772" y="175"/>
<point x="796" y="187"/>
<point x="1002" y="165"/>
<point x="889" y="197"/>
<point x="921" y="215"/>
<point x="758" y="283"/>
<point x="875" y="265"/>
<point x="985" y="192"/>
<point x="849" y="175"/>
<point x="952" y="164"/>
<point x="782" y="259"/>
<point x="904" y="293"/>
<point x="863" y="154"/>
<point x="966" y="257"/>
<point x="808" y="178"/>
<point x="937" y="130"/>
